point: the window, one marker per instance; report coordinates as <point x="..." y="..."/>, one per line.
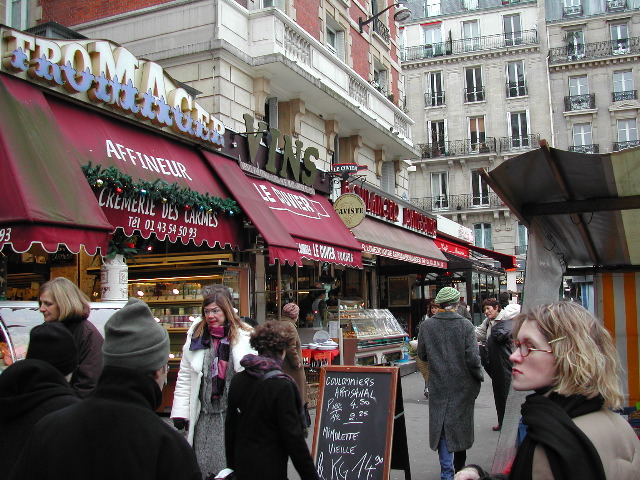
<point x="432" y="40"/>
<point x="479" y="190"/>
<point x="271" y="112"/>
<point x="522" y="241"/>
<point x="439" y="190"/>
<point x="515" y="79"/>
<point x="432" y="8"/>
<point x="582" y="135"/>
<point x="572" y="7"/>
<point x="482" y="234"/>
<point x="379" y="78"/>
<point x="627" y="130"/>
<point x="388" y="177"/>
<point x="471" y="35"/>
<point x="512" y="30"/>
<point x="335" y="38"/>
<point x="518" y="126"/>
<point x="273" y="3"/>
<point x="17" y="14"/>
<point x="437" y="136"/>
<point x="619" y="38"/>
<point x="623" y="86"/>
<point x="470" y="4"/>
<point x="575" y="44"/>
<point x="474" y="88"/>
<point x="435" y="90"/>
<point x="476" y="134"/>
<point x="578" y="85"/>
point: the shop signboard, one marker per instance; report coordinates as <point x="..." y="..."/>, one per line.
<point x="350" y="208"/>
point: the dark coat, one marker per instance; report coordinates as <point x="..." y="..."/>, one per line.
<point x="447" y="341"/>
<point x="112" y="434"/>
<point x="263" y="429"/>
<point x="499" y="349"/>
<point x="29" y="390"/>
<point x="89" y="342"/>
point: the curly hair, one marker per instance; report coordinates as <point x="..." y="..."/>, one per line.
<point x="221" y="296"/>
<point x="586" y="361"/>
<point x="71" y="301"/>
<point x="271" y="338"/>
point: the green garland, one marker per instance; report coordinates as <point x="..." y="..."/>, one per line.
<point x="158" y="190"/>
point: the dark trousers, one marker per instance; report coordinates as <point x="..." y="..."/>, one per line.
<point x="459" y="460"/>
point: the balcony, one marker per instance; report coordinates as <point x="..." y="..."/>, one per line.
<point x="475" y="44"/>
<point x="473" y="94"/>
<point x="592" y="51"/>
<point x="519" y="143"/>
<point x="617" y="146"/>
<point x="456" y="203"/>
<point x="456" y="147"/>
<point x="434" y="99"/>
<point x="626" y="95"/>
<point x="572" y="10"/>
<point x="579" y="102"/>
<point x="381" y="29"/>
<point x="585" y="148"/>
<point x="516" y="89"/>
<point x="616" y="5"/>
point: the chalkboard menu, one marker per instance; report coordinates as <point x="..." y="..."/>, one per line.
<point x="354" y="422"/>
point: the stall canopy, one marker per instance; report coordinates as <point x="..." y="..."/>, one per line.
<point x="42" y="194"/>
<point x="46" y="197"/>
<point x="386" y="240"/>
<point x="294" y="224"/>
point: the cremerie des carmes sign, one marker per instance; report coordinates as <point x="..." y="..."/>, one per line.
<point x="105" y="74"/>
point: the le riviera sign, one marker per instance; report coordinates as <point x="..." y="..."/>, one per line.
<point x="108" y="75"/>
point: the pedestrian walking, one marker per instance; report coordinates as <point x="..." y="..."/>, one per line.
<point x="448" y="343"/>
<point x="115" y="433"/>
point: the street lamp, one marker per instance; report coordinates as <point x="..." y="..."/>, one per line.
<point x="402" y="14"/>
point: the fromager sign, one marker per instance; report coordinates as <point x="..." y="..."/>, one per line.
<point x="108" y="75"/>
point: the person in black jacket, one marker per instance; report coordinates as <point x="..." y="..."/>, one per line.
<point x="264" y="424"/>
<point x="35" y="387"/>
<point x="115" y="434"/>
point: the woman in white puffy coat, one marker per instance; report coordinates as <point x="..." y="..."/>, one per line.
<point x="210" y="357"/>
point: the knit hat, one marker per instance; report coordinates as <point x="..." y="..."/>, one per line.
<point x="447" y="295"/>
<point x="291" y="310"/>
<point x="51" y="342"/>
<point x="133" y="339"/>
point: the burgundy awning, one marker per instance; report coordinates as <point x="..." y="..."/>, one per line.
<point x="386" y="240"/>
<point x="44" y="197"/>
<point x="506" y="261"/>
<point x="294" y="224"/>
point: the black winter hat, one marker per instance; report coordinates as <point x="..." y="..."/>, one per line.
<point x="51" y="342"/>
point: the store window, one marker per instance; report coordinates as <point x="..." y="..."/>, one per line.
<point x="482" y="232"/>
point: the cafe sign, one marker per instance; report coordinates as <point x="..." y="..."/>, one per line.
<point x="105" y="74"/>
<point x="350" y="208"/>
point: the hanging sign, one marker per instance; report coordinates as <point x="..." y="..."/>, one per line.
<point x="350" y="208"/>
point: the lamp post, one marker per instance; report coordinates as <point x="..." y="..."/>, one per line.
<point x="402" y="13"/>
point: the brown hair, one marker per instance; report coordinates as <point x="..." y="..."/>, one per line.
<point x="491" y="302"/>
<point x="221" y="296"/>
<point x="271" y="338"/>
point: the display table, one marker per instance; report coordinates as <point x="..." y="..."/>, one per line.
<point x="318" y="358"/>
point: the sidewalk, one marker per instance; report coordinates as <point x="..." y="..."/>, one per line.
<point x="424" y="461"/>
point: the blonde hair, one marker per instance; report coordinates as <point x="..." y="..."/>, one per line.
<point x="72" y="302"/>
<point x="221" y="296"/>
<point x="586" y="361"/>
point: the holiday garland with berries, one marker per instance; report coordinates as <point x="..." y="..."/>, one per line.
<point x="158" y="190"/>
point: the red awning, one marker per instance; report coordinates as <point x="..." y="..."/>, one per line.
<point x="386" y="240"/>
<point x="42" y="194"/>
<point x="506" y="261"/>
<point x="44" y="142"/>
<point x="294" y="224"/>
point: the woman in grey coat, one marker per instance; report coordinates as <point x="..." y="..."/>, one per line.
<point x="447" y="341"/>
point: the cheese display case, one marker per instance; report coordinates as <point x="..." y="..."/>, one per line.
<point x="379" y="336"/>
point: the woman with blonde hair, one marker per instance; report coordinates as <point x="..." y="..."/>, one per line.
<point x="62" y="301"/>
<point x="215" y="344"/>
<point x="567" y="357"/>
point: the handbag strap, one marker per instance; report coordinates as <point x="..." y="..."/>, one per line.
<point x="269" y="374"/>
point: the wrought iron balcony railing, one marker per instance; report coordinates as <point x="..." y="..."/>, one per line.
<point x="617" y="146"/>
<point x="626" y="95"/>
<point x="516" y="89"/>
<point x="448" y="203"/>
<point x="585" y="148"/>
<point x="521" y="142"/>
<point x="434" y="99"/>
<point x="616" y="5"/>
<point x="456" y="147"/>
<point x="475" y="44"/>
<point x="579" y="102"/>
<point x="474" y="94"/>
<point x="381" y="29"/>
<point x="592" y="51"/>
<point x="572" y="10"/>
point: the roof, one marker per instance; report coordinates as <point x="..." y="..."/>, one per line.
<point x="586" y="205"/>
